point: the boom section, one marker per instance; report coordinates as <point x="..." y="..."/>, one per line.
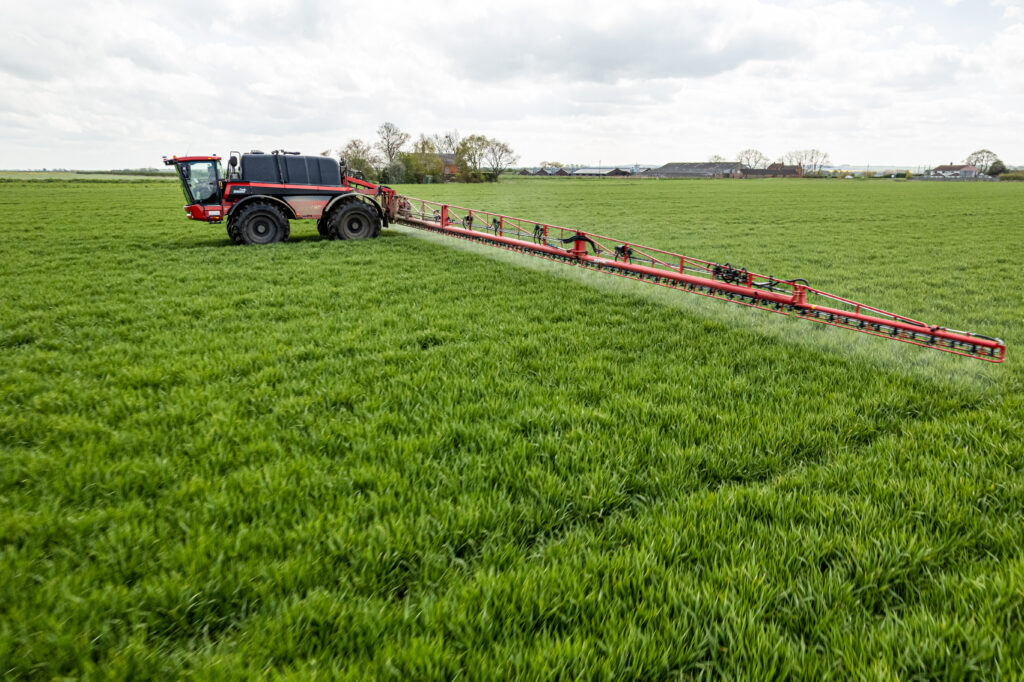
<point x="793" y="297"/>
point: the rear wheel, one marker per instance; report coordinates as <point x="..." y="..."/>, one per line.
<point x="260" y="223"/>
<point x="354" y="221"/>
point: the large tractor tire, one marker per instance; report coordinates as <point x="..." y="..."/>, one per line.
<point x="261" y="223"/>
<point x="232" y="226"/>
<point x="354" y="221"/>
<point x="323" y="228"/>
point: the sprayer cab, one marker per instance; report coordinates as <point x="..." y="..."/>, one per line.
<point x="202" y="181"/>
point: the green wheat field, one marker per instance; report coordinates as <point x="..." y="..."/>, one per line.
<point x="417" y="458"/>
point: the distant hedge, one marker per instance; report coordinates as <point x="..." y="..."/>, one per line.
<point x="123" y="181"/>
<point x="1016" y="176"/>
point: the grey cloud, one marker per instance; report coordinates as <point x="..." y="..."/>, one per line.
<point x="664" y="45"/>
<point x="36" y="58"/>
<point x="30" y="67"/>
<point x="146" y="57"/>
<point x="925" y="73"/>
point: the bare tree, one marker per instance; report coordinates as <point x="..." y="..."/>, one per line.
<point x="552" y="164"/>
<point x="716" y="158"/>
<point x="391" y="140"/>
<point x="814" y="159"/>
<point x="797" y="157"/>
<point x="424" y="145"/>
<point x="752" y="158"/>
<point x="811" y="160"/>
<point x="498" y="157"/>
<point x="447" y="143"/>
<point x="982" y="160"/>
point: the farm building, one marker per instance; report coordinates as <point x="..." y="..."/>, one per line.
<point x="546" y="171"/>
<point x="448" y="161"/>
<point x="963" y="171"/>
<point x="710" y="169"/>
<point x="775" y="170"/>
<point x="599" y="172"/>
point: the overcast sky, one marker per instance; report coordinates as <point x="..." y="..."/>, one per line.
<point x="118" y="84"/>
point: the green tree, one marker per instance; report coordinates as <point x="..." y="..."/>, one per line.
<point x="394" y="172"/>
<point x="423" y="161"/>
<point x="469" y="158"/>
<point x="359" y="156"/>
<point x="497" y="158"/>
<point x="997" y="167"/>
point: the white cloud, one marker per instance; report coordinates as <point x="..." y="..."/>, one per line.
<point x="1012" y="9"/>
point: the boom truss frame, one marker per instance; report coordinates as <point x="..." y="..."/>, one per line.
<point x="793" y="297"/>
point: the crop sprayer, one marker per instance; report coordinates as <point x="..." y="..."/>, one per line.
<point x="260" y="193"/>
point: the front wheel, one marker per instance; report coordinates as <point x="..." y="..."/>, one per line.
<point x="354" y="221"/>
<point x="233" y="231"/>
<point x="260" y="223"/>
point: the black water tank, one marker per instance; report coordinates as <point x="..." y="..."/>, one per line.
<point x="287" y="169"/>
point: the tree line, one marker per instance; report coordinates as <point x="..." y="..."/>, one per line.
<point x="811" y="160"/>
<point x="391" y="157"/>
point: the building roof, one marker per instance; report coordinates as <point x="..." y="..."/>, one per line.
<point x="603" y="170"/>
<point x="955" y="167"/>
<point x="694" y="169"/>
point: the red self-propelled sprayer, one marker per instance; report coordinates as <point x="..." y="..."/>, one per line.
<point x="262" y="192"/>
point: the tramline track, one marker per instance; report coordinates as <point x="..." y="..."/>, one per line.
<point x="606" y="254"/>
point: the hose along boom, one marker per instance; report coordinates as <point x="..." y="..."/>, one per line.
<point x="737" y="285"/>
